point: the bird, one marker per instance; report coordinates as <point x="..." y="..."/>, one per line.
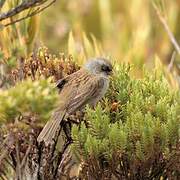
<point x="84" y="87"/>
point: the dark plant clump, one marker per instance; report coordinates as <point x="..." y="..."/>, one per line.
<point x="24" y="108"/>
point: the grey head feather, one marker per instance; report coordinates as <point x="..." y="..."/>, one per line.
<point x="98" y="66"/>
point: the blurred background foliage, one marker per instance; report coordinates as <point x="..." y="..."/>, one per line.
<point x="18" y="39"/>
<point x="128" y="31"/>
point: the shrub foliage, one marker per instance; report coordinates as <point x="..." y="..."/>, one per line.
<point x="134" y="134"/>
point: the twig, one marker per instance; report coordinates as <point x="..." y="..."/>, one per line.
<point x="170" y="65"/>
<point x="60" y="158"/>
<point x="20" y="8"/>
<point x="166" y="27"/>
<point x="25" y="156"/>
<point x="31" y="14"/>
<point x="18" y="167"/>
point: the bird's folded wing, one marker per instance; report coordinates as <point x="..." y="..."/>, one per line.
<point x="85" y="93"/>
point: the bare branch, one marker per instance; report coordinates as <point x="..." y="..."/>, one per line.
<point x="23" y="6"/>
<point x="25" y="156"/>
<point x="167" y="29"/>
<point x="39" y="4"/>
<point x="18" y="167"/>
<point x="37" y="11"/>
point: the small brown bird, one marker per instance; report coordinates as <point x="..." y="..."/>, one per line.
<point x="86" y="86"/>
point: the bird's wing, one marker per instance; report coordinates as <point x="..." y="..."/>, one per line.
<point x="85" y="93"/>
<point x="78" y="90"/>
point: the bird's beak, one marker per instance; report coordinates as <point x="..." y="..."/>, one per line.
<point x="110" y="73"/>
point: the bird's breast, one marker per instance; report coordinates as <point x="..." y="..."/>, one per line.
<point x="101" y="92"/>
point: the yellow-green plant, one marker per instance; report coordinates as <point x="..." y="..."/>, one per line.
<point x="18" y="39"/>
<point x="27" y="98"/>
<point x="131" y="32"/>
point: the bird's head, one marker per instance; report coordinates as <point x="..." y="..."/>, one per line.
<point x="99" y="66"/>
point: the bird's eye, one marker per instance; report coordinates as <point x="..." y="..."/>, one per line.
<point x="106" y="68"/>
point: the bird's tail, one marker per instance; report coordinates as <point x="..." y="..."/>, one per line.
<point x="49" y="131"/>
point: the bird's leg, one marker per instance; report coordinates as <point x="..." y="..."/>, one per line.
<point x="66" y="125"/>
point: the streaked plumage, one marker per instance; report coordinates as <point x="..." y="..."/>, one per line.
<point x="86" y="86"/>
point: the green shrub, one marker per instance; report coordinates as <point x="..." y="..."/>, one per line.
<point x="27" y="99"/>
<point x="139" y="138"/>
